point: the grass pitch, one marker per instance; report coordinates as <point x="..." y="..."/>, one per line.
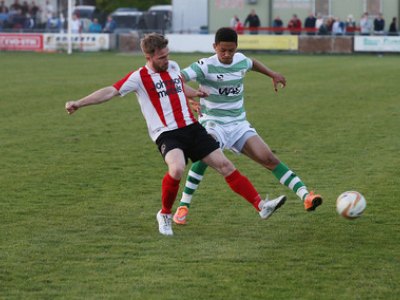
<point x="79" y="194"/>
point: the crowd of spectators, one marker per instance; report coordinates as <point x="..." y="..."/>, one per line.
<point x="319" y="25"/>
<point x="26" y="16"/>
<point x="30" y="17"/>
<point x="365" y="26"/>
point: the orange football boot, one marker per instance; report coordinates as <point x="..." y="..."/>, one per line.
<point x="312" y="201"/>
<point x="180" y="215"/>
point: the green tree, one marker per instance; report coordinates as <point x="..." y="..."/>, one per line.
<point x="109" y="6"/>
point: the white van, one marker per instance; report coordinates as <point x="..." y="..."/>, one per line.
<point x="84" y="11"/>
<point x="166" y="8"/>
<point x="159" y="17"/>
<point x="126" y="20"/>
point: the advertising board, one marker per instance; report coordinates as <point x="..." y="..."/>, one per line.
<point x="21" y="42"/>
<point x="377" y="44"/>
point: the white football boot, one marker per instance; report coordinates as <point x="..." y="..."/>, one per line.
<point x="165" y="223"/>
<point x="270" y="206"/>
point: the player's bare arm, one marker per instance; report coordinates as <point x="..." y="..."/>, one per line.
<point x="277" y="78"/>
<point x="191" y="93"/>
<point x="97" y="97"/>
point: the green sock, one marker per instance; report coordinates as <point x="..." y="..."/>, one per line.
<point x="193" y="180"/>
<point x="288" y="178"/>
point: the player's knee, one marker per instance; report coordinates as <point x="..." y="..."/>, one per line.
<point x="226" y="167"/>
<point x="176" y="171"/>
<point x="270" y="162"/>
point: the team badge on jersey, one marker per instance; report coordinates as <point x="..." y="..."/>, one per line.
<point x="163" y="147"/>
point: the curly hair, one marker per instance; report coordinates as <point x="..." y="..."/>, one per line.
<point x="226" y="34"/>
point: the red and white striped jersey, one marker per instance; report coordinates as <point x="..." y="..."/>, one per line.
<point x="161" y="98"/>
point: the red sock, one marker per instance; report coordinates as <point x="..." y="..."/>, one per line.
<point x="169" y="190"/>
<point x="242" y="185"/>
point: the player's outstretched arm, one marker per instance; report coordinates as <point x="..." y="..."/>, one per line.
<point x="277" y="78"/>
<point x="192" y="93"/>
<point x="97" y="97"/>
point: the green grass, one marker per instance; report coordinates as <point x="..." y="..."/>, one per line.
<point x="79" y="194"/>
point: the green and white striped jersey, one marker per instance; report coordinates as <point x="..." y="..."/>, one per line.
<point x="225" y="104"/>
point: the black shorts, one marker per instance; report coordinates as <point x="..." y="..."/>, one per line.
<point x="193" y="140"/>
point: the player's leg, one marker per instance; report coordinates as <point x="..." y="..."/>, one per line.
<point x="256" y="149"/>
<point x="193" y="180"/>
<point x="195" y="176"/>
<point x="175" y="160"/>
<point x="241" y="184"/>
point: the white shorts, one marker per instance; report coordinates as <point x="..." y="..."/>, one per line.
<point x="231" y="136"/>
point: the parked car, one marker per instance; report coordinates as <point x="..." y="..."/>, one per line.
<point x="165" y="8"/>
<point x="84" y="11"/>
<point x="159" y="17"/>
<point x="126" y="9"/>
<point x="127" y="19"/>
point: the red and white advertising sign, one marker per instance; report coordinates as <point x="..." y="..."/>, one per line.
<point x="21" y="42"/>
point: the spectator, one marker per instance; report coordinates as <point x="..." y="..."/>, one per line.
<point x="234" y="21"/>
<point x="322" y="27"/>
<point x="45" y="13"/>
<point x="338" y="27"/>
<point x="294" y="25"/>
<point x="3" y="15"/>
<point x="76" y="26"/>
<point x="277" y="25"/>
<point x="25" y="8"/>
<point x="318" y="22"/>
<point x="3" y="19"/>
<point x="393" y="27"/>
<point x="63" y="23"/>
<point x="53" y="24"/>
<point x="15" y="7"/>
<point x="85" y="23"/>
<point x="365" y="24"/>
<point x="110" y="25"/>
<point x="33" y="11"/>
<point x="40" y="16"/>
<point x="95" y="27"/>
<point x="239" y="28"/>
<point x="379" y="25"/>
<point x="309" y="24"/>
<point x="329" y="24"/>
<point x="17" y="20"/>
<point x="253" y="21"/>
<point x="3" y="8"/>
<point x="48" y="10"/>
<point x="350" y="25"/>
<point x="29" y="22"/>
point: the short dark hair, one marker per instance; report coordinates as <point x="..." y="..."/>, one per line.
<point x="226" y="34"/>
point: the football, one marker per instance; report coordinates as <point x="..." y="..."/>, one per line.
<point x="351" y="204"/>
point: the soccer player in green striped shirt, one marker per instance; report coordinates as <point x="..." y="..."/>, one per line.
<point x="222" y="114"/>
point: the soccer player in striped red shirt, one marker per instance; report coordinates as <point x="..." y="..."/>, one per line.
<point x="163" y="99"/>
